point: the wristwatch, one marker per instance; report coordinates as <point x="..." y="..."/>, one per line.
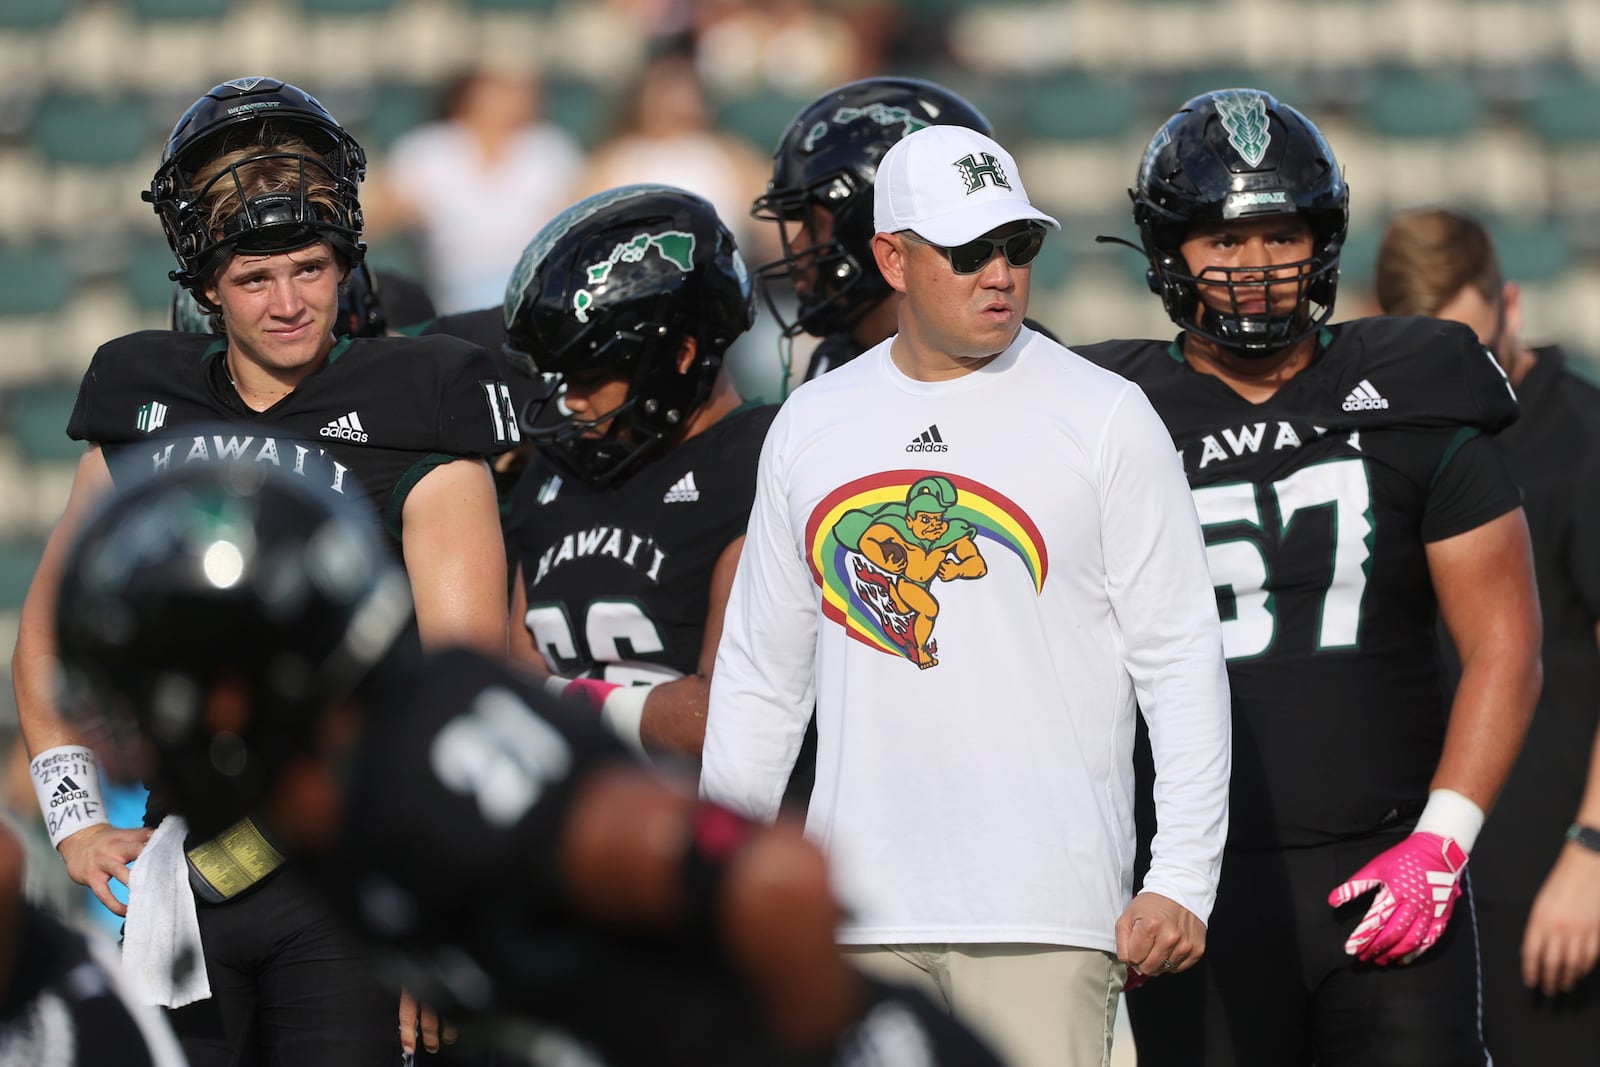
<point x="1584" y="837"/>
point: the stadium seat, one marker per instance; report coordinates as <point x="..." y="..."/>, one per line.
<point x="346" y="7"/>
<point x="1532" y="252"/>
<point x="1565" y="109"/>
<point x="36" y="415"/>
<point x="92" y="130"/>
<point x="180" y="9"/>
<point x="537" y="6"/>
<point x="394" y="109"/>
<point x="759" y="117"/>
<point x="1409" y="104"/>
<point x="35" y="279"/>
<point x="1074" y="108"/>
<point x="145" y="273"/>
<point x="32" y="14"/>
<point x="19" y="558"/>
<point x="580" y="107"/>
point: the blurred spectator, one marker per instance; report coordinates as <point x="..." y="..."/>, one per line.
<point x="794" y="46"/>
<point x="666" y="135"/>
<point x="476" y="184"/>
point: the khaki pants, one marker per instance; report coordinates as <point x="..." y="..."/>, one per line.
<point x="1038" y="1005"/>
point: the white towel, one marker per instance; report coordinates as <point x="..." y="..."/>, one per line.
<point x="161" y="939"/>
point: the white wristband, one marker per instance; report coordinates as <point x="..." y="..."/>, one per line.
<point x="1449" y="814"/>
<point x="66" y="780"/>
<point x="623" y="711"/>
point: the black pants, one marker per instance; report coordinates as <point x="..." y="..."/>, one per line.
<point x="1275" y="988"/>
<point x="289" y="987"/>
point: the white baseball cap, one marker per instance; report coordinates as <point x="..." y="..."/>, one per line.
<point x="949" y="184"/>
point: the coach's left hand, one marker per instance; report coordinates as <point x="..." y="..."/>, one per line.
<point x="1157" y="935"/>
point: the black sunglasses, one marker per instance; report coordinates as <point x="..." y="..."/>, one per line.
<point x="1020" y="249"/>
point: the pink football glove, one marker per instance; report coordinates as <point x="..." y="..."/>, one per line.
<point x="592" y="691"/>
<point x="1418" y="882"/>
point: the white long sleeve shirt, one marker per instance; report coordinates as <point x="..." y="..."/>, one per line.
<point x="986" y="794"/>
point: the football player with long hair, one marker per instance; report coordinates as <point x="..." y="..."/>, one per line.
<point x="1351" y="494"/>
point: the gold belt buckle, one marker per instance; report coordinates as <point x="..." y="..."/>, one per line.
<point x="224" y="866"/>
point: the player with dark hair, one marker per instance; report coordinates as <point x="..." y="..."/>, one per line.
<point x="499" y="849"/>
<point x="627" y="524"/>
<point x="257" y="192"/>
<point x="1351" y="495"/>
<point x="820" y="195"/>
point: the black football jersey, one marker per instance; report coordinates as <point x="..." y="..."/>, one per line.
<point x="378" y="416"/>
<point x="618" y="579"/>
<point x="449" y="863"/>
<point x="1317" y="505"/>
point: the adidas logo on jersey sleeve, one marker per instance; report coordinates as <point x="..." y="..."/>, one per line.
<point x="928" y="441"/>
<point x="346" y="428"/>
<point x="683" y="491"/>
<point x="1364" y="397"/>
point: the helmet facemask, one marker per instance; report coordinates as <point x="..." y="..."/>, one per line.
<point x="837" y="288"/>
<point x="1256" y="335"/>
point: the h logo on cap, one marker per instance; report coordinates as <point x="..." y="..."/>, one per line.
<point x="975" y="173"/>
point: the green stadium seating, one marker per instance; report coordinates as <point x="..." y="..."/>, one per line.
<point x="1075" y="107"/>
<point x="18" y="560"/>
<point x="91" y="130"/>
<point x="180" y="9"/>
<point x="36" y="415"/>
<point x="1410" y="104"/>
<point x="579" y="107"/>
<point x="346" y="7"/>
<point x="1532" y="252"/>
<point x="760" y="117"/>
<point x="145" y="273"/>
<point x="1566" y="110"/>
<point x="35" y="279"/>
<point x="32" y="14"/>
<point x="393" y="110"/>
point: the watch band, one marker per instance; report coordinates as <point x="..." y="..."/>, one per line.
<point x="1584" y="837"/>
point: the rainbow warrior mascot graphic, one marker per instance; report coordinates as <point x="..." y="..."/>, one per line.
<point x="881" y="545"/>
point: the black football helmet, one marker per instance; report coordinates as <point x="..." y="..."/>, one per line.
<point x="1234" y="154"/>
<point x="243" y="113"/>
<point x="828" y="156"/>
<point x="615" y="284"/>
<point x="207" y="617"/>
<point x="360" y="308"/>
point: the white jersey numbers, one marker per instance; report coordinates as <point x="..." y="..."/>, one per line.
<point x="501" y="753"/>
<point x="1242" y="567"/>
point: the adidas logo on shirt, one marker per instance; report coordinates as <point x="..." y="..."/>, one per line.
<point x="1364" y="398"/>
<point x="346" y="428"/>
<point x="683" y="491"/>
<point x="67" y="792"/>
<point x="928" y="441"/>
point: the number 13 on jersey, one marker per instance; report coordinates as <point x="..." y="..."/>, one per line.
<point x="1245" y="566"/>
